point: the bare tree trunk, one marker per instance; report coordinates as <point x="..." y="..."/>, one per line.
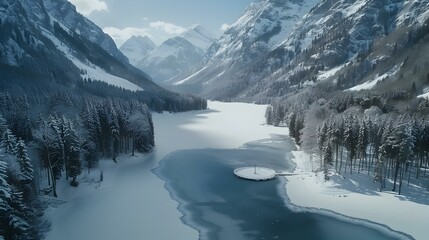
<point x="54" y="181"/>
<point x="336" y="157"/>
<point x="133" y="148"/>
<point x="65" y="161"/>
<point x="409" y="173"/>
<point x="341" y="158"/>
<point x="49" y="176"/>
<point x="396" y="174"/>
<point x="401" y="178"/>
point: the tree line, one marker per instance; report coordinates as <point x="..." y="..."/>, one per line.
<point x="66" y="133"/>
<point x="385" y="136"/>
<point x="19" y="208"/>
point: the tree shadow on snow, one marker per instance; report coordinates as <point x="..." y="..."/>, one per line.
<point x="357" y="183"/>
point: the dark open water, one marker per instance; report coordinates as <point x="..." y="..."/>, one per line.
<point x="222" y="206"/>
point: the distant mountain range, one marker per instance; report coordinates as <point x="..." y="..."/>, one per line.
<point x="137" y="48"/>
<point x="277" y="47"/>
<point x="173" y="58"/>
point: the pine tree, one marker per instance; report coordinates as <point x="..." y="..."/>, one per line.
<point x="19" y="226"/>
<point x="9" y="142"/>
<point x="4" y="188"/>
<point x="405" y="144"/>
<point x="350" y="139"/>
<point x="5" y="195"/>
<point x="3" y="125"/>
<point x="73" y="166"/>
<point x="327" y="160"/>
<point x="269" y="115"/>
<point x="24" y="162"/>
<point x="48" y="152"/>
<point x="322" y="137"/>
<point x="362" y="143"/>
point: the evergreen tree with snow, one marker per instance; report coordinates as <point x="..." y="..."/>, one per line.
<point x="292" y="127"/>
<point x="322" y="137"/>
<point x="19" y="227"/>
<point x="24" y="162"/>
<point x="404" y="142"/>
<point x="73" y="166"/>
<point x="9" y="142"/>
<point x="269" y="115"/>
<point x="48" y="152"/>
<point x="3" y="125"/>
<point x="362" y="143"/>
<point x="386" y="152"/>
<point x="5" y="195"/>
<point x="4" y="189"/>
<point x="350" y="139"/>
<point x="327" y="160"/>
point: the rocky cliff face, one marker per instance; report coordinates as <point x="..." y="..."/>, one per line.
<point x="263" y="26"/>
<point x="280" y="46"/>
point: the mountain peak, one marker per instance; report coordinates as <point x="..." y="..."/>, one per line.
<point x="137" y="47"/>
<point x="199" y="36"/>
<point x="173" y="57"/>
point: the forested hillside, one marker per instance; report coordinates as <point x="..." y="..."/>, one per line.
<point x="382" y="134"/>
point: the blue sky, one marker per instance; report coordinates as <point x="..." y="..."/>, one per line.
<point x="159" y="19"/>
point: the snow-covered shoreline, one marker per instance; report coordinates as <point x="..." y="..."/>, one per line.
<point x="140" y="203"/>
<point x="354" y="196"/>
<point x="141" y="206"/>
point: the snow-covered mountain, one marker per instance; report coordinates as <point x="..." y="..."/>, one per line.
<point x="199" y="37"/>
<point x="173" y="57"/>
<point x="278" y="46"/>
<point x="262" y="27"/>
<point x="47" y="40"/>
<point x="351" y="44"/>
<point x="137" y="47"/>
<point x="177" y="56"/>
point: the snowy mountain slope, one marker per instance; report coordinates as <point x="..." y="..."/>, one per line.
<point x="65" y="12"/>
<point x="177" y="56"/>
<point x="36" y="43"/>
<point x="173" y="57"/>
<point x="137" y="47"/>
<point x="346" y="42"/>
<point x="258" y="31"/>
<point x="91" y="71"/>
<point x="352" y="37"/>
<point x="199" y="37"/>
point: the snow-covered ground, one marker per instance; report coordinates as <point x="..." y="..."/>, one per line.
<point x="370" y="84"/>
<point x="92" y="71"/>
<point x="131" y="203"/>
<point x="357" y="196"/>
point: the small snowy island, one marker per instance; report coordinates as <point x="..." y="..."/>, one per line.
<point x="255" y="173"/>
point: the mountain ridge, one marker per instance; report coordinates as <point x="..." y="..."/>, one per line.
<point x="137" y="48"/>
<point x="177" y="56"/>
<point x="328" y="36"/>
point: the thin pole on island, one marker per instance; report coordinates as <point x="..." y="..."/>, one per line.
<point x="255" y="170"/>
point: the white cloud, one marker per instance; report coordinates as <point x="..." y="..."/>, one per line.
<point x="86" y="7"/>
<point x="145" y="19"/>
<point x="169" y="28"/>
<point x="122" y="35"/>
<point x="224" y="27"/>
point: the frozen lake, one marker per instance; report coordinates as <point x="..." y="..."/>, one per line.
<point x="133" y="204"/>
<point x="223" y="206"/>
